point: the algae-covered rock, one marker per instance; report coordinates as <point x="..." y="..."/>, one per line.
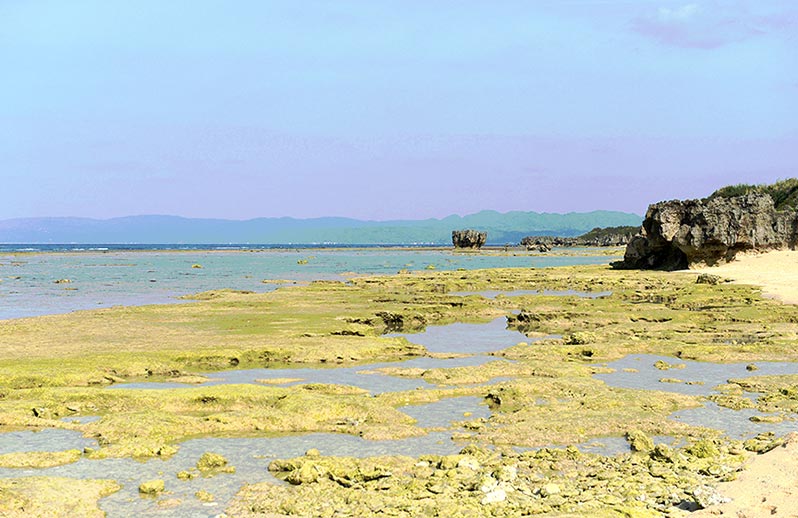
<point x="210" y="464"/>
<point x="204" y="496"/>
<point x="152" y="487"/>
<point x="766" y="419"/>
<point x="579" y="338"/>
<point x="703" y="449"/>
<point x="763" y="442"/>
<point x="186" y="475"/>
<point x="662" y="453"/>
<point x="47" y="497"/>
<point x="639" y="441"/>
<point x="210" y="461"/>
<point x="39" y="459"/>
<point x="708" y="278"/>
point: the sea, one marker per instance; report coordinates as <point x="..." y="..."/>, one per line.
<point x="41" y="279"/>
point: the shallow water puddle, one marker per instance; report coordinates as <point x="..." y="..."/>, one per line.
<point x="458" y="338"/>
<point x="49" y="439"/>
<point x="249" y="456"/>
<point x="639" y="371"/>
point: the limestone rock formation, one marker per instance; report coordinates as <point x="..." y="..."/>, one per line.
<point x="611" y="236"/>
<point x="677" y="234"/>
<point x="468" y="238"/>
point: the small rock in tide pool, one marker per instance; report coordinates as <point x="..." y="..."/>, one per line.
<point x="212" y="463"/>
<point x="152" y="487"/>
<point x="211" y="460"/>
<point x="766" y="419"/>
<point x="204" y="496"/>
<point x="186" y="475"/>
<point x="639" y="441"/>
<point x="751" y="367"/>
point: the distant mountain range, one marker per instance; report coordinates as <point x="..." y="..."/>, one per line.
<point x="502" y="228"/>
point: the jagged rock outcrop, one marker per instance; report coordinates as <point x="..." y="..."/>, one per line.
<point x="468" y="238"/>
<point x="615" y="236"/>
<point x="677" y="234"/>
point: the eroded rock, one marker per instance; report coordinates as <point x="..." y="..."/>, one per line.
<point x="678" y="234"/>
<point x="470" y="238"/>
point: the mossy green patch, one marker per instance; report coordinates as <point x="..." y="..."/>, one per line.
<point x="39" y="459"/>
<point x="45" y="497"/>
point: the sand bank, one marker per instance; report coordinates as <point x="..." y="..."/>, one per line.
<point x="767" y="487"/>
<point x="776" y="272"/>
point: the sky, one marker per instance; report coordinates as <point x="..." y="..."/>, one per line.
<point x="378" y="109"/>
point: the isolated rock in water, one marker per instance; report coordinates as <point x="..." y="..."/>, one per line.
<point x="468" y="238"/>
<point x="152" y="487"/>
<point x="677" y="234"/>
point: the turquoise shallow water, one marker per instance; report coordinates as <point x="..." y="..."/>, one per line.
<point x="99" y="279"/>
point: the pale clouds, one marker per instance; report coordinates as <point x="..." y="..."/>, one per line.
<point x="713" y="24"/>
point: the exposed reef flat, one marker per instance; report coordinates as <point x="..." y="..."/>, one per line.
<point x="61" y="366"/>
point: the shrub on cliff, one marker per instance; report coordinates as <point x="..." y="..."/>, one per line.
<point x="784" y="193"/>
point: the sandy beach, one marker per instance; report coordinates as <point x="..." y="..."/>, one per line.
<point x="767" y="487"/>
<point x="776" y="272"/>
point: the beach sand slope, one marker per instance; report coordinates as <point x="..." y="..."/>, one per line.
<point x="768" y="486"/>
<point x="776" y="272"/>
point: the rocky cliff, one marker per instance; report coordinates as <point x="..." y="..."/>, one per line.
<point x="468" y="238"/>
<point x="677" y="234"/>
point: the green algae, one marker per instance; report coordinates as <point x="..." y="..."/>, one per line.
<point x="34" y="497"/>
<point x="777" y="393"/>
<point x="482" y="482"/>
<point x="59" y="366"/>
<point x="39" y="459"/>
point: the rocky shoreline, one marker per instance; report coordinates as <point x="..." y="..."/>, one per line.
<point x="680" y="234"/>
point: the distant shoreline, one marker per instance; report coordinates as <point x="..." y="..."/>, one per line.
<point x="34" y="248"/>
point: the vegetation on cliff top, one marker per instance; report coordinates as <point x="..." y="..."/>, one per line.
<point x="599" y="233"/>
<point x="784" y="192"/>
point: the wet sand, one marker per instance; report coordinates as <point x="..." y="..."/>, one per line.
<point x="776" y="272"/>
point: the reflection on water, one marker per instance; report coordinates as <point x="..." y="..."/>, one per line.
<point x="467" y="338"/>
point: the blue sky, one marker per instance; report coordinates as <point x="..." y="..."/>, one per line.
<point x="389" y="109"/>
